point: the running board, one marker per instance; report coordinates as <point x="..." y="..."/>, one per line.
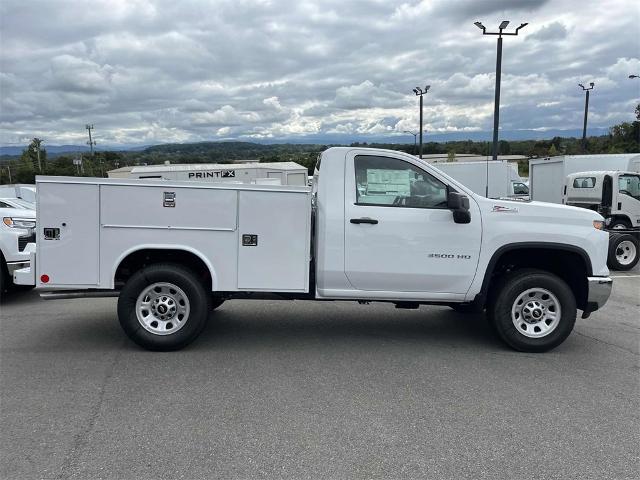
<point x="66" y="294"/>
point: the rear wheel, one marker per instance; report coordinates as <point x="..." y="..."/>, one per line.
<point x="623" y="251"/>
<point x="163" y="307"/>
<point x="532" y="310"/>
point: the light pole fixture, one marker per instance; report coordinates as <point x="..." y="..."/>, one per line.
<point x="419" y="93"/>
<point x="586" y="112"/>
<point x="634" y="76"/>
<point x="415" y="141"/>
<point x="496" y="105"/>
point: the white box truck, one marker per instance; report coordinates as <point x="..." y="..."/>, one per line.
<point x="499" y="178"/>
<point x="378" y="225"/>
<point x="547" y="176"/>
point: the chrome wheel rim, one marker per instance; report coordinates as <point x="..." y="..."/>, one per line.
<point x="619" y="226"/>
<point x="162" y="308"/>
<point x="626" y="252"/>
<point x="536" y="313"/>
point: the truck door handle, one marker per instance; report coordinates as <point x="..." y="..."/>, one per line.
<point x="364" y="220"/>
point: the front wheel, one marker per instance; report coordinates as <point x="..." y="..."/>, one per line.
<point x="623" y="251"/>
<point x="533" y="310"/>
<point x="163" y="307"/>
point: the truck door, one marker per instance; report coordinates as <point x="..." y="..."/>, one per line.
<point x="399" y="234"/>
<point x="628" y="201"/>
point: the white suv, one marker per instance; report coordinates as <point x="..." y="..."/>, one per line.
<point x="17" y="228"/>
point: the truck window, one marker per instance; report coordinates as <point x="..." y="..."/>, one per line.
<point x="520" y="189"/>
<point x="629" y="185"/>
<point x="391" y="182"/>
<point x="584" y="182"/>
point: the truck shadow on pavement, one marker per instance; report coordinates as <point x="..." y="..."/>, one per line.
<point x="272" y="328"/>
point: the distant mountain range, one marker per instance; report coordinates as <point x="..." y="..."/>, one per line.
<point x="337" y="139"/>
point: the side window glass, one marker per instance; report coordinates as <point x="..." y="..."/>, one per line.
<point x="584" y="182"/>
<point x="395" y="183"/>
<point x="629" y="185"/>
<point x="520" y="189"/>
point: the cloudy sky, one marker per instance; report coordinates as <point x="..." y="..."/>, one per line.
<point x="153" y="71"/>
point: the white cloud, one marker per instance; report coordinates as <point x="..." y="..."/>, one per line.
<point x="160" y="70"/>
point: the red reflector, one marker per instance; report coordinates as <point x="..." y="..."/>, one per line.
<point x="44" y="278"/>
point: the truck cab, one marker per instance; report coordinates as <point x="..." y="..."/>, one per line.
<point x="614" y="194"/>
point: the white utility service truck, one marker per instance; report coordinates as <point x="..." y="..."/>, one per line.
<point x="377" y="225"/>
<point x="491" y="179"/>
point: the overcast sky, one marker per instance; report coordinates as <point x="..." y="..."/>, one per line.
<point x="154" y="71"/>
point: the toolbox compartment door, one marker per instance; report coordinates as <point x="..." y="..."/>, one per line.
<point x="68" y="253"/>
<point x="274" y="240"/>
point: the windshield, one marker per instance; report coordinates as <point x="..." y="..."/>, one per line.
<point x="629" y="185"/>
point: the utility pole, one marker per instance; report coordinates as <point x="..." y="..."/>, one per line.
<point x="91" y="142"/>
<point x="496" y="104"/>
<point x="419" y="93"/>
<point x="586" y="112"/>
<point x="9" y="171"/>
<point x="36" y="146"/>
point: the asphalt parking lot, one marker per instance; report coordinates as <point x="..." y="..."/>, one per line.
<point x="317" y="390"/>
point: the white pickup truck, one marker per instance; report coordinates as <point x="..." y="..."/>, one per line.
<point x="17" y="224"/>
<point x="377" y="225"/>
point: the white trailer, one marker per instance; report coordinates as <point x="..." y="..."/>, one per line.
<point x="499" y="177"/>
<point x="547" y="176"/>
<point x="280" y="173"/>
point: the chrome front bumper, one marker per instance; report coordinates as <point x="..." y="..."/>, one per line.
<point x="599" y="292"/>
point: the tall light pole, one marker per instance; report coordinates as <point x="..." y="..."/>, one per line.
<point x="586" y="112"/>
<point x="415" y="141"/>
<point x="496" y="104"/>
<point x="420" y="92"/>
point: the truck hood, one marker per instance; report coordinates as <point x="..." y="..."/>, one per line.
<point x="17" y="213"/>
<point x="537" y="209"/>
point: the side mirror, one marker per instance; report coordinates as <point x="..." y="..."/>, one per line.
<point x="459" y="205"/>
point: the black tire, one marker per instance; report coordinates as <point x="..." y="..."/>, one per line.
<point x="198" y="302"/>
<point x="619" y="224"/>
<point x="623" y="251"/>
<point x="466" y="308"/>
<point x="507" y="292"/>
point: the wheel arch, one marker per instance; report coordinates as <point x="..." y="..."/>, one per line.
<point x="569" y="262"/>
<point x="143" y="255"/>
